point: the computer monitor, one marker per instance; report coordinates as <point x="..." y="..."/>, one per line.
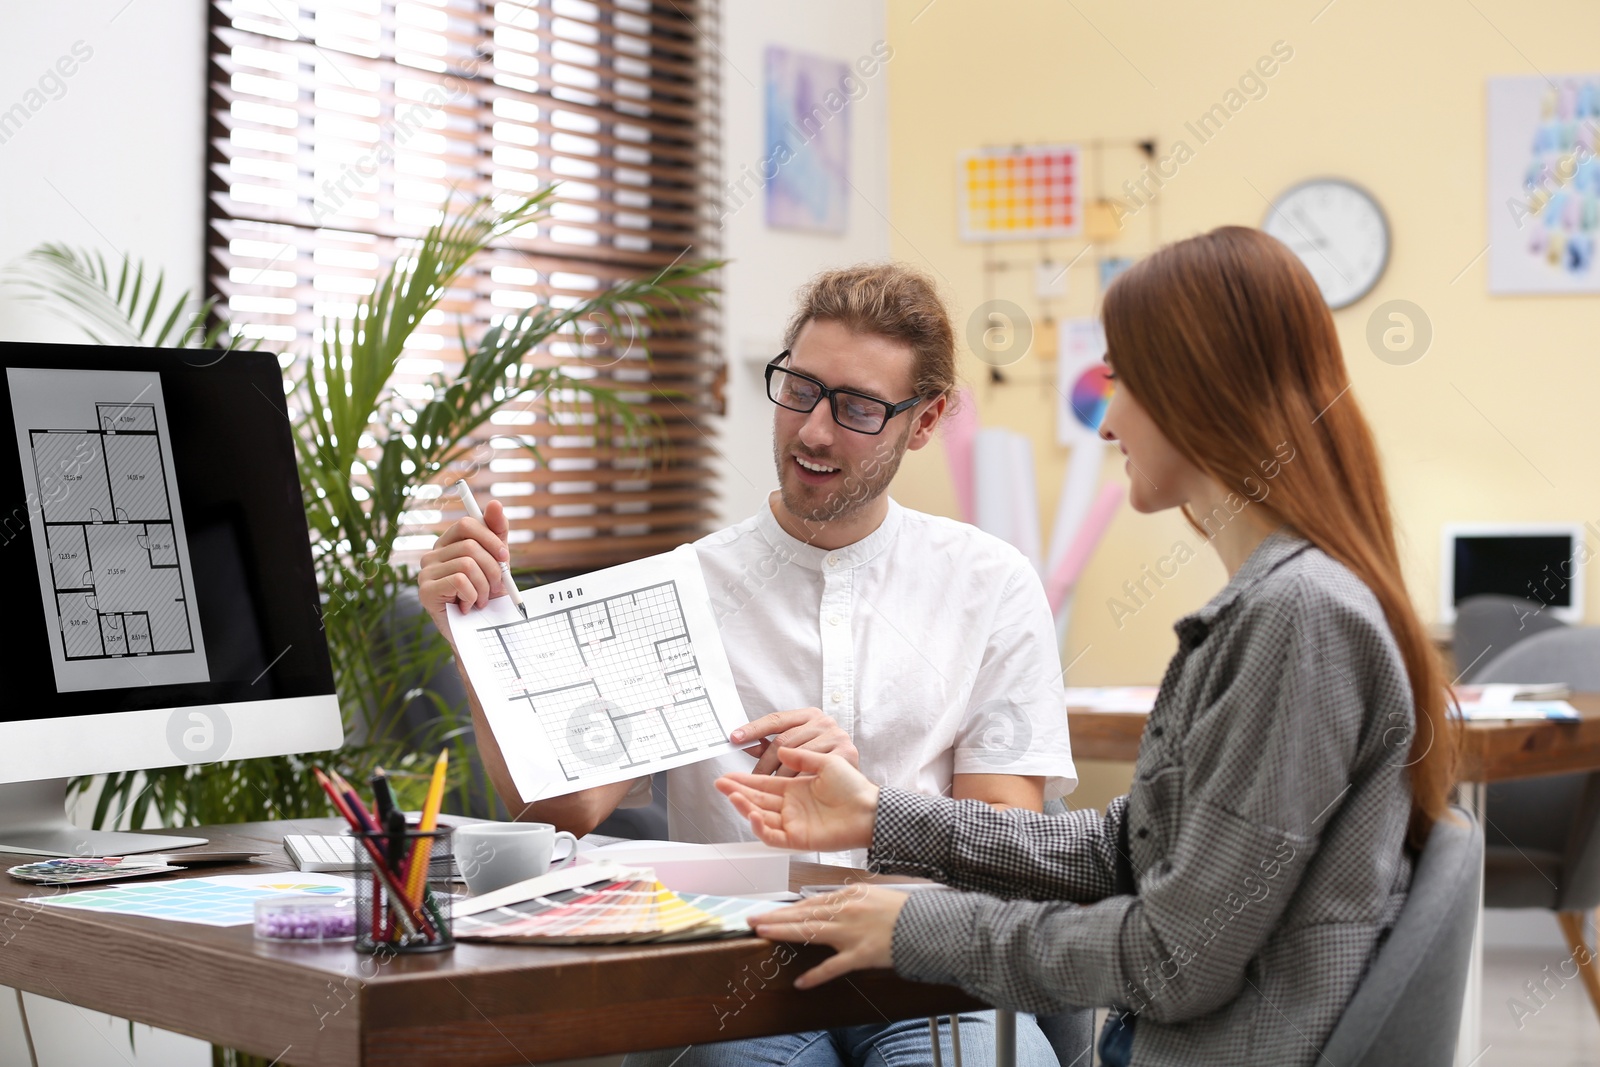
<point x="167" y="613"/>
<point x="1542" y="562"/>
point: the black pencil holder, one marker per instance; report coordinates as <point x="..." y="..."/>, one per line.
<point x="397" y="910"/>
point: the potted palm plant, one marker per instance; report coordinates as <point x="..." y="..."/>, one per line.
<point x="366" y="454"/>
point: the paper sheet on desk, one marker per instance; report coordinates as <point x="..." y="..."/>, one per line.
<point x="613" y="675"/>
<point x="1136" y="699"/>
<point x="1510" y="710"/>
<point x="220" y="900"/>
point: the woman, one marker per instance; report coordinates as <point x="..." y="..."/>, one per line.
<point x="1297" y="755"/>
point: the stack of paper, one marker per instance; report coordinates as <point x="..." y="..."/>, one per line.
<point x="600" y="904"/>
<point x="1504" y="693"/>
<point x="1135" y="698"/>
<point x="1556" y="710"/>
<point x="1515" y="701"/>
<point x="729" y="869"/>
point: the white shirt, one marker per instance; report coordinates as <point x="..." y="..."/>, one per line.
<point x="928" y="640"/>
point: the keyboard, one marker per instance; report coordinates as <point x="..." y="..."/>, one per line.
<point x="321" y="852"/>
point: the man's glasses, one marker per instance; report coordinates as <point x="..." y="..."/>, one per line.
<point x="854" y="411"/>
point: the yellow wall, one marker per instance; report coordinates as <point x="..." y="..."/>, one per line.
<point x="1389" y="95"/>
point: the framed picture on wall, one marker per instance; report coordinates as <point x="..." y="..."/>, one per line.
<point x="1544" y="184"/>
<point x="808" y="141"/>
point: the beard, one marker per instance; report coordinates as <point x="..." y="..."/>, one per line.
<point x="855" y="487"/>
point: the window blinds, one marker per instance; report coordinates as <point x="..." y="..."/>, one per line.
<point x="336" y="128"/>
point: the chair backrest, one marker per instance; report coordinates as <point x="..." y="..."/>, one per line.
<point x="1560" y="813"/>
<point x="1407" y="1008"/>
<point x="1488" y="624"/>
<point x="1570" y="655"/>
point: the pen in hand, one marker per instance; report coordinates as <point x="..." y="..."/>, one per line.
<point x="464" y="491"/>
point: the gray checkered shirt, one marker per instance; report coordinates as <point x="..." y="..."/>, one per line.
<point x="1233" y="898"/>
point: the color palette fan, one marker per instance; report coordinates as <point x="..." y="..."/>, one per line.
<point x="601" y="904"/>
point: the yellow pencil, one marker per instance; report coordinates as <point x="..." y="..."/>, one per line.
<point x="423" y="852"/>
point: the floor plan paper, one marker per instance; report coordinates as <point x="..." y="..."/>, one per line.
<point x="108" y="532"/>
<point x="613" y="675"/>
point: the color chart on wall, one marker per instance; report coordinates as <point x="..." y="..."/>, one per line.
<point x="1023" y="192"/>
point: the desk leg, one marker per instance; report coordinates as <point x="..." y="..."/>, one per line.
<point x="1469" y="1044"/>
<point x="1005" y="1038"/>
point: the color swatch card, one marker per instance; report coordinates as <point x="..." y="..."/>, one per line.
<point x="1028" y="192"/>
<point x="225" y="900"/>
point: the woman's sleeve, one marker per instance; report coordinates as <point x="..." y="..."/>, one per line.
<point x="1013" y="853"/>
<point x="1265" y="765"/>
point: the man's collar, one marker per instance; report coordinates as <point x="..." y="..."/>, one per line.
<point x="830" y="560"/>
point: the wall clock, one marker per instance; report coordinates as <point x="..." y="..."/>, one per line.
<point x="1338" y="231"/>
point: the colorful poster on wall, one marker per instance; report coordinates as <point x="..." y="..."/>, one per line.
<point x="1082" y="387"/>
<point x="1544" y="184"/>
<point x="1110" y="267"/>
<point x="1024" y="192"/>
<point x="808" y="140"/>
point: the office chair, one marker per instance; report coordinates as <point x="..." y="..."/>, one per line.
<point x="1407" y="1008"/>
<point x="1488" y="624"/>
<point x="1543" y="834"/>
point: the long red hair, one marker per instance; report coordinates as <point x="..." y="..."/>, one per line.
<point x="1225" y="340"/>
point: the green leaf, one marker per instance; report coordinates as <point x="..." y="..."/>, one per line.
<point x="78" y="284"/>
<point x="356" y="495"/>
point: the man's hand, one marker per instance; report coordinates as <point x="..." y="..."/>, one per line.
<point x="463" y="567"/>
<point x="830" y="805"/>
<point x="806" y="728"/>
<point x="858" y="922"/>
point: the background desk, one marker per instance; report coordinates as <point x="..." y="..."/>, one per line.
<point x="479" y="1004"/>
<point x="1490" y="752"/>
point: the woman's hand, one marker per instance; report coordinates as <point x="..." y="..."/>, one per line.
<point x="858" y="922"/>
<point x="830" y="806"/>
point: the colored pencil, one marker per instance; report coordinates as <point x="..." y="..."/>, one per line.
<point x="378" y="864"/>
<point x="382" y="921"/>
<point x="382" y="796"/>
<point x="422" y="853"/>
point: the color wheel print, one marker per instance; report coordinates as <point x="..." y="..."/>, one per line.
<point x="1091" y="393"/>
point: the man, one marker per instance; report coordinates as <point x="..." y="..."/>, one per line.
<point x="919" y="648"/>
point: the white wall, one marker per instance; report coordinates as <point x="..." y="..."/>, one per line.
<point x="110" y="157"/>
<point x="768" y="265"/>
<point x="106" y="158"/>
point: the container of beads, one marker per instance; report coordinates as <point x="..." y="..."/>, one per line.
<point x="307" y="918"/>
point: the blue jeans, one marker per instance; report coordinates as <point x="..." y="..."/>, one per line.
<point x="1116" y="1039"/>
<point x="902" y="1044"/>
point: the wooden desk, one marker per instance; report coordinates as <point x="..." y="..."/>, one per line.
<point x="476" y="1005"/>
<point x="1490" y="751"/>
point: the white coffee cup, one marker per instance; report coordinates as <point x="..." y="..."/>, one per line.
<point x="492" y="855"/>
